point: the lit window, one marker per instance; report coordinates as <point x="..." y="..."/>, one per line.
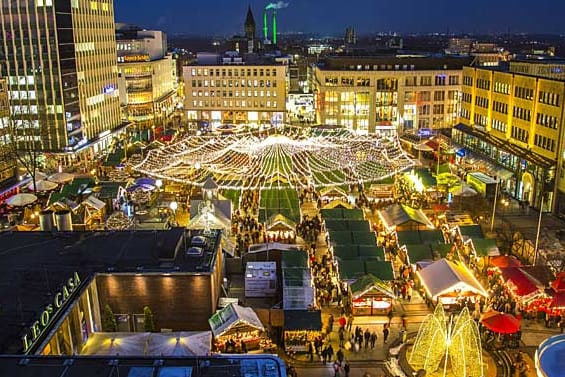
<point x="94" y="5"/>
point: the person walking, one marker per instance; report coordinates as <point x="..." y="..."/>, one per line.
<point x="367" y="337"/>
<point x="337" y="369"/>
<point x="341" y="337"/>
<point x="373" y="339"/>
<point x="349" y="322"/>
<point x="385" y="332"/>
<point x="340" y="356"/>
<point x="346" y="369"/>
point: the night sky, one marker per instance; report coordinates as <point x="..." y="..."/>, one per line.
<point x="226" y="17"/>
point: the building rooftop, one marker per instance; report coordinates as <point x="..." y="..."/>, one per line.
<point x="216" y="366"/>
<point x="406" y="62"/>
<point x="35" y="265"/>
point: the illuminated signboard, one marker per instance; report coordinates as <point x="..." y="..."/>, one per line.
<point x="50" y="311"/>
<point x="135" y="58"/>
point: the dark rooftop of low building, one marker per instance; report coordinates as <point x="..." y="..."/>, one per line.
<point x="35" y="265"/>
<point x="217" y="366"/>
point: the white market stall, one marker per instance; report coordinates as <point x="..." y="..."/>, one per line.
<point x="236" y="328"/>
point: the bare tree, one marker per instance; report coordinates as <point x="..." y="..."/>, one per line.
<point x="25" y="145"/>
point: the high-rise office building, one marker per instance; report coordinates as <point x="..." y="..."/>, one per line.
<point x="61" y="68"/>
<point x="513" y="117"/>
<point x="7" y="162"/>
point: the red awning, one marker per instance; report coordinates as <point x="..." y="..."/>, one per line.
<point x="523" y="285"/>
<point x="558" y="301"/>
<point x="505" y="261"/>
<point x="559" y="283"/>
<point x="432" y="144"/>
<point x="501" y="323"/>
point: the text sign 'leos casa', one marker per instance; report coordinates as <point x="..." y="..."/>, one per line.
<point x="49" y="312"/>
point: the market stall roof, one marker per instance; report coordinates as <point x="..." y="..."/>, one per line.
<point x="473" y="231"/>
<point x="500" y="323"/>
<point x="408" y="237"/>
<point x="295" y="320"/>
<point x="94" y="202"/>
<point x="210" y="220"/>
<point x="233" y="318"/>
<point x="400" y="214"/>
<point x="417" y="253"/>
<point x="294" y="258"/>
<point x="523" y="284"/>
<point x="279" y="221"/>
<point x="368" y="283"/>
<point x="505" y="261"/>
<point x="485" y="247"/>
<point x="342" y="213"/>
<point x="431" y="236"/>
<point x="351" y="269"/>
<point x="333" y="191"/>
<point x="441" y="249"/>
<point x="352" y="225"/>
<point x="381" y="269"/>
<point x="443" y="277"/>
<point x="558" y="300"/>
<point x="338" y="204"/>
<point x="352" y="252"/>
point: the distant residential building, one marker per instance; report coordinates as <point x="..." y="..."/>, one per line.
<point x="514" y="117"/>
<point x="384" y="93"/>
<point x="7" y="161"/>
<point x="230" y="89"/>
<point x="62" y="75"/>
<point x="147" y="76"/>
<point x="485" y="53"/>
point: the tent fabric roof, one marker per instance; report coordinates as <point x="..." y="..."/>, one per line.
<point x="303" y="320"/>
<point x="485" y="247"/>
<point x="233" y="316"/>
<point x="279" y="219"/>
<point x="444" y="276"/>
<point x="505" y="261"/>
<point x="94" y="202"/>
<point x="522" y="282"/>
<point x="370" y="282"/>
<point x="399" y="214"/>
<point x="351" y="269"/>
<point x="214" y="221"/>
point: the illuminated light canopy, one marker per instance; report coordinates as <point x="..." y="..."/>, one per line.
<point x="295" y="158"/>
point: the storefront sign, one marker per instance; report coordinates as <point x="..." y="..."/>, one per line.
<point x="50" y="311"/>
<point x="136" y="58"/>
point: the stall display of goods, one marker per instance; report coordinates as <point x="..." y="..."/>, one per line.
<point x="298" y="340"/>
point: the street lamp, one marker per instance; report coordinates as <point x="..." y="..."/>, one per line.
<point x="173" y="206"/>
<point x="505" y="203"/>
<point x="158" y="183"/>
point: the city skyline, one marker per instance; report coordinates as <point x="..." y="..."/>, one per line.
<point x="225" y="17"/>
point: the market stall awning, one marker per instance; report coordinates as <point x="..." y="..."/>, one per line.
<point x="400" y="214"/>
<point x="380" y="269"/>
<point x="368" y="283"/>
<point x="115" y="343"/>
<point x="296" y="320"/>
<point x="522" y="283"/>
<point x="558" y="300"/>
<point x="485" y="247"/>
<point x="443" y="276"/>
<point x="234" y="318"/>
<point x="559" y="283"/>
<point x="500" y="323"/>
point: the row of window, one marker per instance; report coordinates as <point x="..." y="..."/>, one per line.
<point x="500" y="107"/>
<point x="230" y="93"/>
<point x="499" y="125"/>
<point x="243" y="103"/>
<point x="501" y="87"/>
<point x="519" y="134"/>
<point x="524" y="93"/>
<point x="234" y="72"/>
<point x="481" y="120"/>
<point x="482" y="102"/>
<point x="466" y="97"/>
<point x="521" y="113"/>
<point x="547" y="121"/>
<point x="234" y="83"/>
<point x="390" y="83"/>
<point x="544" y="142"/>
<point x="549" y="98"/>
<point x="483" y="84"/>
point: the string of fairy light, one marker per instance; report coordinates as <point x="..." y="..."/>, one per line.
<point x="291" y="159"/>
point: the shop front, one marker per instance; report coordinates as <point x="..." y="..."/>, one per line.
<point x="371" y="296"/>
<point x="237" y="329"/>
<point x="301" y="327"/>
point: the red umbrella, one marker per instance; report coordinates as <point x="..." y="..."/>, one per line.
<point x="342" y="321"/>
<point x="501" y="323"/>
